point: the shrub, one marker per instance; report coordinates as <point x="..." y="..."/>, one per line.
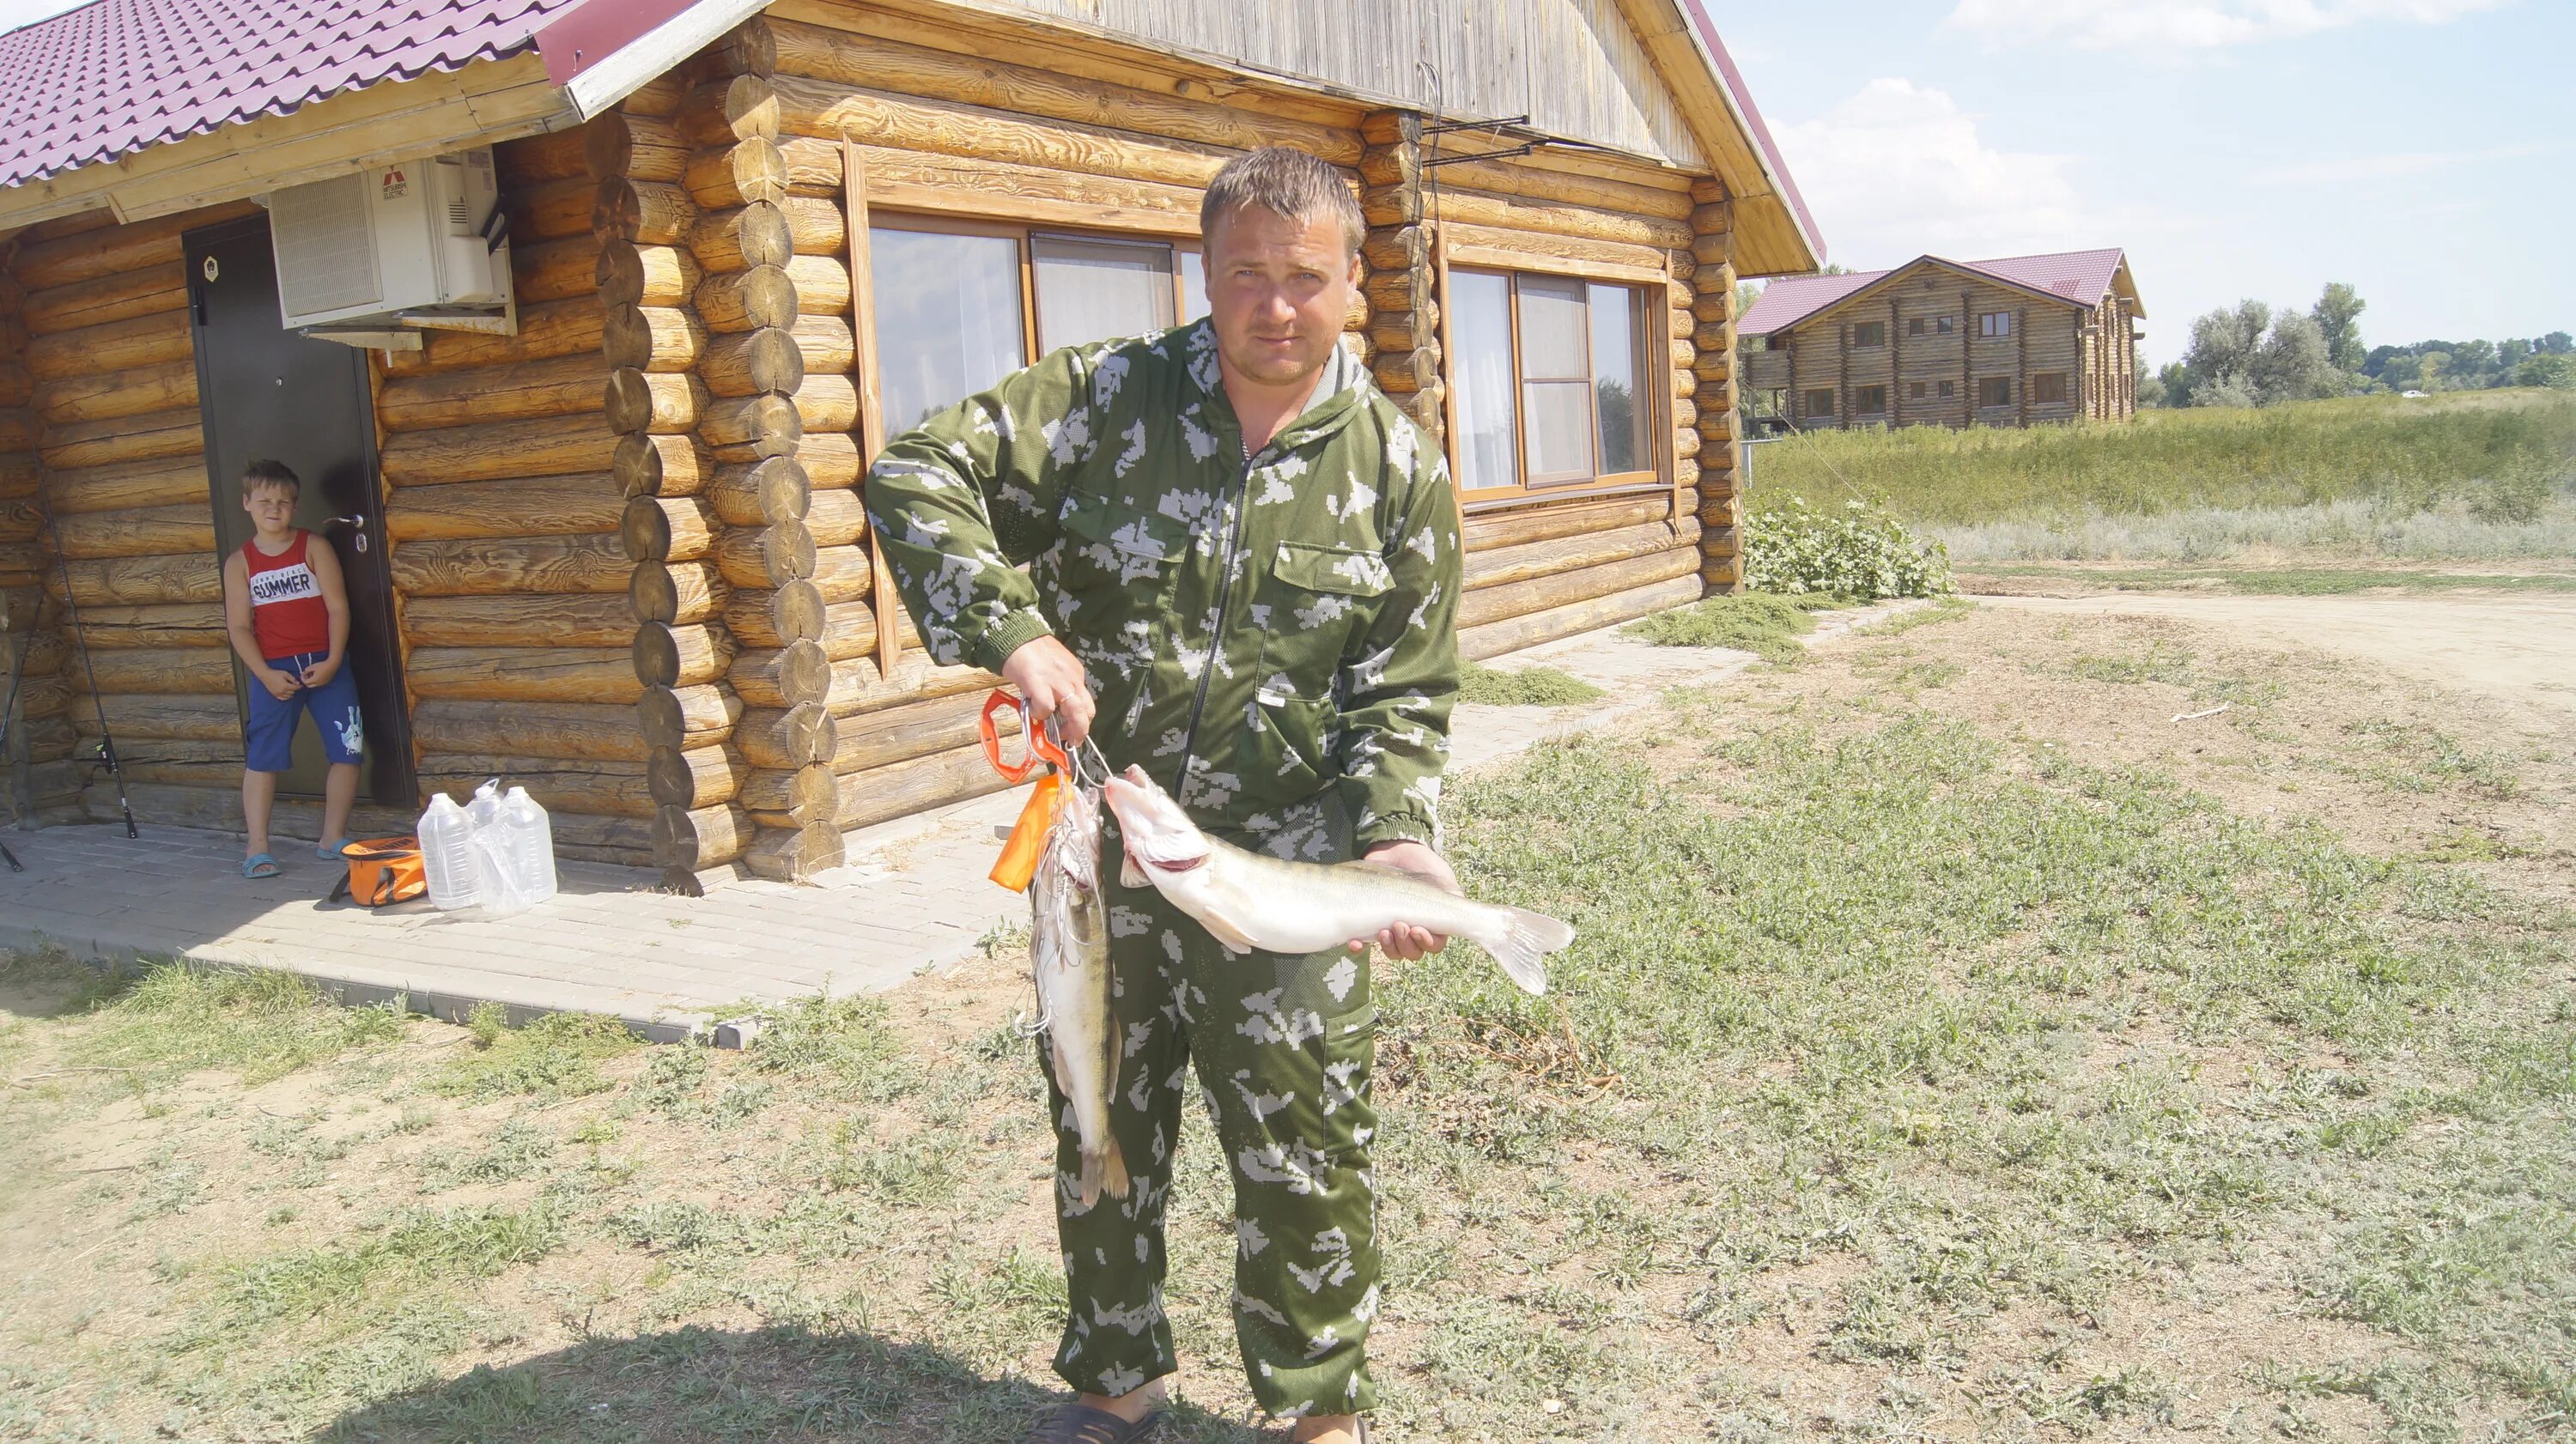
<point x="1860" y="550"/>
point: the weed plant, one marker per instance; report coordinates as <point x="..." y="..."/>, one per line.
<point x="2497" y="457"/>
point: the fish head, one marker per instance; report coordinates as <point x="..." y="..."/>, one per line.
<point x="1159" y="837"/>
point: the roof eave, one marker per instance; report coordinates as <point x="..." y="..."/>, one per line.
<point x="1774" y="234"/>
<point x="600" y="51"/>
<point x="478" y="103"/>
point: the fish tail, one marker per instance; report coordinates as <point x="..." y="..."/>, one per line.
<point x="1104" y="1169"/>
<point x="1528" y="938"/>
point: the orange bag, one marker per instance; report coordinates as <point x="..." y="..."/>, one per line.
<point x="383" y="870"/>
<point x="1019" y="861"/>
<point x="1018" y="865"/>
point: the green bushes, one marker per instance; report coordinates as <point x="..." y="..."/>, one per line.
<point x="1856" y="550"/>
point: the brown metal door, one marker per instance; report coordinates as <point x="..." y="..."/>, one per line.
<point x="266" y="392"/>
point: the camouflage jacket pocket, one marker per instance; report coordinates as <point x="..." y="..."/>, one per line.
<point x="1318" y="596"/>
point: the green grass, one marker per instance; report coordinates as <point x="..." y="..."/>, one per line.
<point x="1531" y="686"/>
<point x="1907" y="1079"/>
<point x="556" y="1055"/>
<point x="1765" y="625"/>
<point x="2293" y="581"/>
<point x="2497" y="455"/>
<point x="178" y="1017"/>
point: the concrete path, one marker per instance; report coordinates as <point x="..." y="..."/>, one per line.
<point x="913" y="896"/>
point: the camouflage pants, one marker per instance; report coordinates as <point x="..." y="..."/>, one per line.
<point x="1283" y="1047"/>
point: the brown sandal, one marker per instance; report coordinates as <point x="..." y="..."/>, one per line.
<point x="1082" y="1424"/>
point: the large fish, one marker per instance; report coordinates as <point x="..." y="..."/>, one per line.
<point x="1069" y="953"/>
<point x="1247" y="901"/>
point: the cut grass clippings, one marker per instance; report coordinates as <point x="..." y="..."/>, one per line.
<point x="1530" y="686"/>
<point x="1767" y="626"/>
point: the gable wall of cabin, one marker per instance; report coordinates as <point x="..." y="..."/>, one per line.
<point x="1824" y="353"/>
<point x="751" y="549"/>
<point x="630" y="565"/>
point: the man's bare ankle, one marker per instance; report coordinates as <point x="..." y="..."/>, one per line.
<point x="1335" y="1428"/>
<point x="1133" y="1405"/>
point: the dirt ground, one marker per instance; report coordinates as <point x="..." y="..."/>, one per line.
<point x="202" y="1259"/>
<point x="2519" y="651"/>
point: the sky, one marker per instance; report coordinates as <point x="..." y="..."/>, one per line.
<point x="2422" y="150"/>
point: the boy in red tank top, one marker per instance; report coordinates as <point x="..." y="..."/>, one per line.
<point x="287" y="613"/>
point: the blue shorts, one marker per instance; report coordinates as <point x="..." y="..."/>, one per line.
<point x="268" y="739"/>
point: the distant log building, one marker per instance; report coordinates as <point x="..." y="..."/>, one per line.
<point x="1949" y="343"/>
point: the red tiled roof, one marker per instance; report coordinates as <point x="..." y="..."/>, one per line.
<point x="115" y="76"/>
<point x="2082" y="277"/>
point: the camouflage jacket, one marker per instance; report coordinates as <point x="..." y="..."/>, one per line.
<point x="1267" y="636"/>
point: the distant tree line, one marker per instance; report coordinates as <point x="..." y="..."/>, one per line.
<point x="2252" y="355"/>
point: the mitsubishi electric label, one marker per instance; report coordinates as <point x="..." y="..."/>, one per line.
<point x="395" y="186"/>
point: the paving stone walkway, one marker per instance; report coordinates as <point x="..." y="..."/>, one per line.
<point x="912" y="897"/>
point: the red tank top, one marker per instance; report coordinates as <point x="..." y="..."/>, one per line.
<point x="287" y="612"/>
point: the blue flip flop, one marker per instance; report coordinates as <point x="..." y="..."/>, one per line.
<point x="260" y="864"/>
<point x="331" y="851"/>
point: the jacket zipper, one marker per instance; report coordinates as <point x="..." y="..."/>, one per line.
<point x="1224" y="595"/>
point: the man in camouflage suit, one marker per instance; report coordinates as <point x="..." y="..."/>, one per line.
<point x="1252" y="556"/>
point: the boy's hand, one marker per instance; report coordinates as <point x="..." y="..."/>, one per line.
<point x="279" y="684"/>
<point x="321" y="672"/>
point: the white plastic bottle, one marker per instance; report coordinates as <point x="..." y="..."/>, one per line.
<point x="529" y="845"/>
<point x="485" y="809"/>
<point x="447" y="854"/>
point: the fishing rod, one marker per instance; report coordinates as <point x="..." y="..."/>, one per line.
<point x="80" y="638"/>
<point x="8" y="709"/>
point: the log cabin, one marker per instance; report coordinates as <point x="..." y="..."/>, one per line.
<point x="602" y="534"/>
<point x="1933" y="342"/>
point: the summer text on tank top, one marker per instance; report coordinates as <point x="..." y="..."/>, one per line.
<point x="287" y="612"/>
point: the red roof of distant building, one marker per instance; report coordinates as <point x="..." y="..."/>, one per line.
<point x="2082" y="277"/>
<point x="115" y="76"/>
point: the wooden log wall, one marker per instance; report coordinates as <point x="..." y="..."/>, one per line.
<point x="822" y="734"/>
<point x="1403" y="303"/>
<point x="36" y="771"/>
<point x="1931" y="379"/>
<point x="503" y="508"/>
<point x="109" y="374"/>
<point x="1717" y="422"/>
<point x="751" y="579"/>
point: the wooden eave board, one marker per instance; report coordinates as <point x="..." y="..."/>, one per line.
<point x="1768" y="241"/>
<point x="485" y="102"/>
<point x="1096" y="53"/>
<point x="1917" y="266"/>
<point x="2125" y="286"/>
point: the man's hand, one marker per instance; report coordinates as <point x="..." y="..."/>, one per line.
<point x="1051" y="680"/>
<point x="280" y="685"/>
<point x="1404" y="940"/>
<point x="321" y="672"/>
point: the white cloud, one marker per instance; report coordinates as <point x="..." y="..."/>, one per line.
<point x="1898" y="170"/>
<point x="2192" y="24"/>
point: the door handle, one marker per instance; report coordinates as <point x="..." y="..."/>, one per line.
<point x="357" y="526"/>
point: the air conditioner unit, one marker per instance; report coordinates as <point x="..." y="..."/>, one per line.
<point x="364" y="257"/>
